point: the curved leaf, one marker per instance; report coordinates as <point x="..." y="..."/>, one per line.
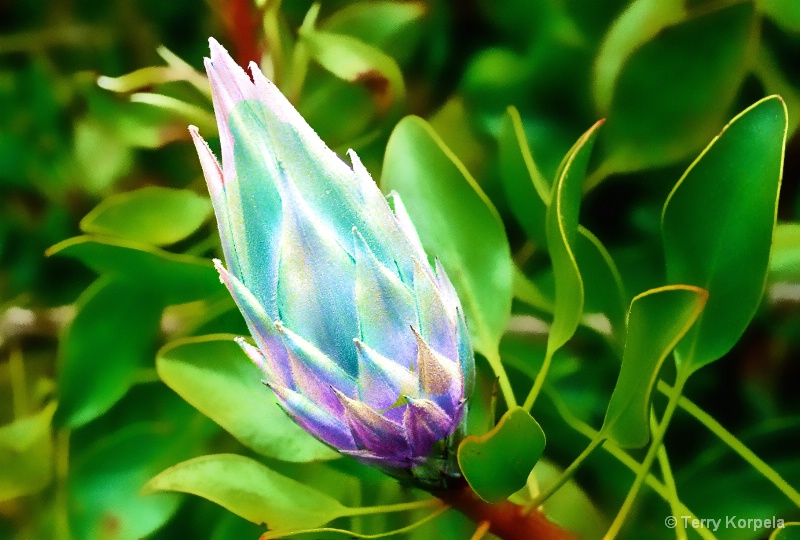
<point x="562" y="230"/>
<point x="456" y="223"/>
<point x="527" y="190"/>
<point x="250" y="490"/>
<point x="110" y="339"/>
<point x="498" y="463"/>
<point x="153" y="215"/>
<point x="657" y="320"/>
<point x="214" y="375"/>
<point x="353" y="60"/>
<point x="718" y="223"/>
<point x="675" y="91"/>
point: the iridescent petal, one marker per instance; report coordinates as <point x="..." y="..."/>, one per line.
<point x="316" y="285"/>
<point x="385" y="306"/>
<point x="257" y="357"/>
<point x="329" y="187"/>
<point x="426" y="423"/>
<point x="466" y="357"/>
<point x="434" y="322"/>
<point x="373" y="432"/>
<point x="371" y="458"/>
<point x="404" y="221"/>
<point x="314" y="372"/>
<point x="439" y="378"/>
<point x="314" y="419"/>
<point x="381" y="381"/>
<point x="261" y="328"/>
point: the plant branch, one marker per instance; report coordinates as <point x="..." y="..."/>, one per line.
<point x="506" y="520"/>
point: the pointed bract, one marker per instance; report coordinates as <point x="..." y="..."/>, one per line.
<point x="363" y="343"/>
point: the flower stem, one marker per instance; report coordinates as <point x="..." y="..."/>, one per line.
<point x="652" y="452"/>
<point x="388" y="508"/>
<point x="567" y="474"/>
<point x="539" y="381"/>
<point x="506" y="520"/>
<point x="505" y="384"/>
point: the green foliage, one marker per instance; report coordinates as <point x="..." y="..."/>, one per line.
<point x="584" y="268"/>
<point x="718" y="224"/>
<point x="657" y="320"/>
<point x="456" y="222"/>
<point x="498" y="463"/>
<point x="213" y="374"/>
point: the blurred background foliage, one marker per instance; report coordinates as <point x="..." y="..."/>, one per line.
<point x="96" y="168"/>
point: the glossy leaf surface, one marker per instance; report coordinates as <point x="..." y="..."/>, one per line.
<point x="657" y="320"/>
<point x="250" y="490"/>
<point x="562" y="230"/>
<point x="498" y="463"/>
<point x="456" y="222"/>
<point x="110" y="339"/>
<point x="153" y="215"/>
<point x="717" y="227"/>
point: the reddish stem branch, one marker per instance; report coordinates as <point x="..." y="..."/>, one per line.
<point x="507" y="519"/>
<point x="242" y="21"/>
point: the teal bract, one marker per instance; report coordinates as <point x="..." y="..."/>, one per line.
<point x="362" y="341"/>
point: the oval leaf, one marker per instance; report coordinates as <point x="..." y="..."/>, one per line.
<point x="657" y="320"/>
<point x="497" y="464"/>
<point x="110" y="339"/>
<point x="250" y="490"/>
<point x="562" y="230"/>
<point x="674" y="91"/>
<point x="717" y="226"/>
<point x="153" y="215"/>
<point x="456" y="223"/>
<point x="214" y="375"/>
<point x="353" y="60"/>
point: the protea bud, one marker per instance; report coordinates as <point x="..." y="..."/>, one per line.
<point x="362" y="341"/>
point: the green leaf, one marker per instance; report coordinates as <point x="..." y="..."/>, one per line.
<point x="397" y="32"/>
<point x="657" y="320"/>
<point x="562" y="230"/>
<point x="784" y="264"/>
<point x="353" y="60"/>
<point x="498" y="464"/>
<point x="527" y="190"/>
<point x="110" y="339"/>
<point x="26" y="454"/>
<point x="789" y="531"/>
<point x="674" y="91"/>
<point x="152" y="215"/>
<point x="604" y="292"/>
<point x="178" y="278"/>
<point x="250" y="490"/>
<point x="456" y="223"/>
<point x="786" y="13"/>
<point x="638" y="24"/>
<point x="214" y="375"/>
<point x="102" y="157"/>
<point x="106" y="478"/>
<point x="717" y="227"/>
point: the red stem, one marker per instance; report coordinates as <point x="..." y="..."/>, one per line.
<point x="241" y="21"/>
<point x="507" y="520"/>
